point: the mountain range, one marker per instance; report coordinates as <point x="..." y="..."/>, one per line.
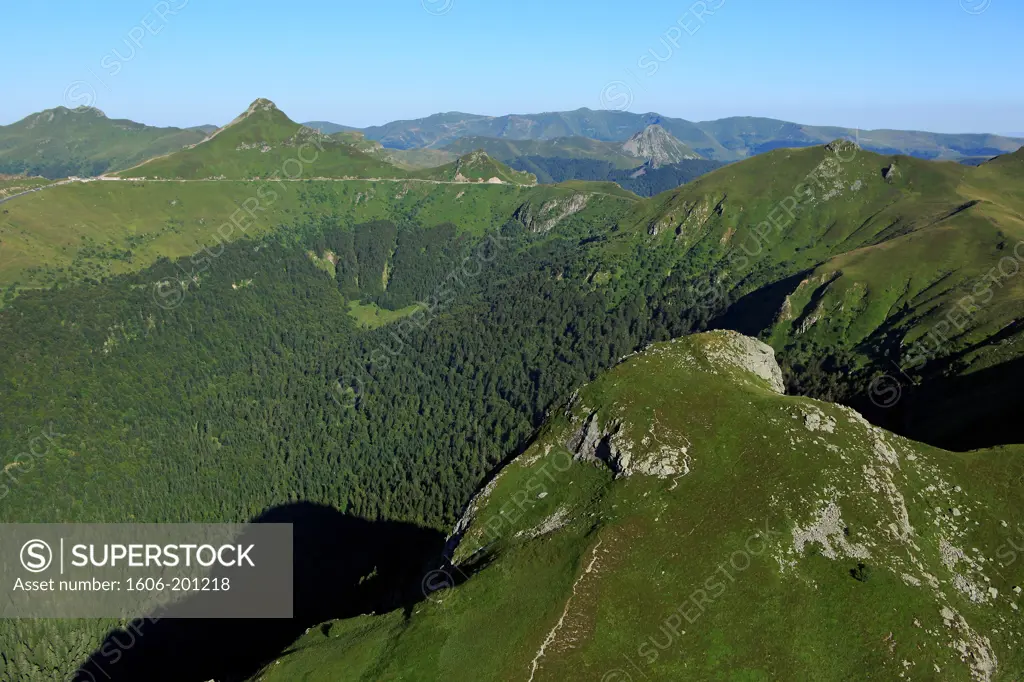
<point x="63" y="142"/>
<point x="727" y="139"/>
<point x="652" y="145"/>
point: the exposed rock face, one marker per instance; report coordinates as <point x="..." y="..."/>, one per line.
<point x="749" y="354"/>
<point x="843" y="147"/>
<point x="816" y="420"/>
<point x="626" y="455"/>
<point x="584" y="442"/>
<point x="828" y="531"/>
<point x="891" y="173"/>
<point x="549" y="525"/>
<point x="550" y="212"/>
<point x="658" y="146"/>
<point x="689" y="217"/>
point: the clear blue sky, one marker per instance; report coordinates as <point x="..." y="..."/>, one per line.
<point x="922" y="64"/>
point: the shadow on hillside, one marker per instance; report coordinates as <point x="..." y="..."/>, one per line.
<point x="757" y="311"/>
<point x="334" y="555"/>
<point x="960" y="413"/>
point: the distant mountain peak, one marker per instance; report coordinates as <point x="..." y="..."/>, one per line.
<point x="50" y="115"/>
<point x="658" y="146"/>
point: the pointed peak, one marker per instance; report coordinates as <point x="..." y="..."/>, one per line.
<point x="261" y="104"/>
<point x="658" y="146"/>
<point x="651" y="129"/>
<point x="475" y="156"/>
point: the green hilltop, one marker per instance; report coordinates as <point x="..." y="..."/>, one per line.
<point x="63" y="142"/>
<point x="641" y="535"/>
<point x="477" y="166"/>
<point x="263" y="142"/>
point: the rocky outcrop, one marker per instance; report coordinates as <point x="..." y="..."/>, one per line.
<point x="550" y="213"/>
<point x="615" y="447"/>
<point x="748" y="354"/>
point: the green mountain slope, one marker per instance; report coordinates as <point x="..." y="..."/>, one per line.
<point x="62" y="142"/>
<point x="887" y="249"/>
<point x="936" y="303"/>
<point x="85" y="231"/>
<point x="859" y="266"/>
<point x="358" y="351"/>
<point x="643" y="536"/>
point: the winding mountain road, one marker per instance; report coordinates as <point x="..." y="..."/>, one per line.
<point x="4" y="200"/>
<point x="104" y="178"/>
